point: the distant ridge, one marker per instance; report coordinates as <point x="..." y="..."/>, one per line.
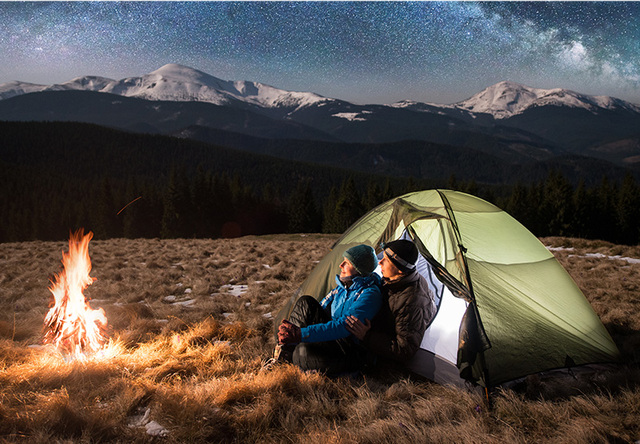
<point x="174" y="82"/>
<point x="513" y="122"/>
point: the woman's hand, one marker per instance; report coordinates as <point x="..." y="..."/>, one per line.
<point x="356" y="327"/>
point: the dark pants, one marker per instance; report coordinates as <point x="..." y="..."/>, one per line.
<point x="331" y="357"/>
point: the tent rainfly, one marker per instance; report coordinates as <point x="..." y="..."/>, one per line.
<point x="506" y="307"/>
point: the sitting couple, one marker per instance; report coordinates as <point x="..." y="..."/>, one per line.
<point x="363" y="315"/>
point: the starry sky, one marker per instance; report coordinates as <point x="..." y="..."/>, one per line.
<point x="363" y="52"/>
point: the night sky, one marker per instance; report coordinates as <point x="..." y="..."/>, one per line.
<point x="364" y="52"/>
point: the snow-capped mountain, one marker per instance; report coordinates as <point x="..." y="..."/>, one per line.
<point x="178" y="83"/>
<point x="16" y="88"/>
<point x="506" y="99"/>
<point x="516" y="120"/>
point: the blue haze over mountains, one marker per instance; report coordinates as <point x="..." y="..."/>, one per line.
<point x="506" y="124"/>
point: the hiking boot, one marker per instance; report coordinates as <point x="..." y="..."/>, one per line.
<point x="277" y="351"/>
<point x="281" y="354"/>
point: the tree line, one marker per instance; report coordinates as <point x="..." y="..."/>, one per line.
<point x="213" y="205"/>
<point x="57" y="177"/>
<point x="554" y="207"/>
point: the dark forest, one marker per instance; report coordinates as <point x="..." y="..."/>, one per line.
<point x="57" y="177"/>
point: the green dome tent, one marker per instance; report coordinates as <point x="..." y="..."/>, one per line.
<point x="506" y="307"/>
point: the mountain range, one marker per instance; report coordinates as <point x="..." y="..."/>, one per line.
<point x="511" y="122"/>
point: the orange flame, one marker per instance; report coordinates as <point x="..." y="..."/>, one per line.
<point x="71" y="325"/>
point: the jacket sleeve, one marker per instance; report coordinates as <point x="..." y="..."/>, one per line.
<point x="406" y="339"/>
<point x="365" y="307"/>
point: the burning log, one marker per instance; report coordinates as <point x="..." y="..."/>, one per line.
<point x="71" y="325"/>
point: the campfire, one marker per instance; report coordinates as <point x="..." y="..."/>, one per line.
<point x="71" y="325"/>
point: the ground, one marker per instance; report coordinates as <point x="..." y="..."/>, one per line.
<point x="190" y="326"/>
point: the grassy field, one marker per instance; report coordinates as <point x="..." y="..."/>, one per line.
<point x="190" y="328"/>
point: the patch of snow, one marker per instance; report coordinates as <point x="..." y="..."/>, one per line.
<point x="267" y="315"/>
<point x="235" y="290"/>
<point x="561" y="249"/>
<point x="617" y="257"/>
<point x="155" y="429"/>
<point x="152" y="428"/>
<point x="187" y="303"/>
<point x="352" y="117"/>
<point x="613" y="258"/>
<point x="140" y="420"/>
<point x="173" y="300"/>
<point x="187" y="290"/>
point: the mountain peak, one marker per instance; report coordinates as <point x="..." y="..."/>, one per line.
<point x="506" y="99"/>
<point x="177" y="82"/>
<point x="503" y="99"/>
<point x="183" y="73"/>
<point x="174" y="68"/>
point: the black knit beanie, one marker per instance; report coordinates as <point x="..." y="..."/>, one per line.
<point x="405" y="254"/>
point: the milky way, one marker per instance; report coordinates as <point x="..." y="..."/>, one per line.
<point x="359" y="51"/>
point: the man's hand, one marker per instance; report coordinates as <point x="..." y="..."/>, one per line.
<point x="357" y="328"/>
<point x="289" y="333"/>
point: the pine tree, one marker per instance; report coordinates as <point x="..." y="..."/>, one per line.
<point x="557" y="204"/>
<point x="106" y="224"/>
<point x="202" y="203"/>
<point x="329" y="219"/>
<point x="517" y="205"/>
<point x="373" y="197"/>
<point x="471" y="188"/>
<point x="387" y="191"/>
<point x="134" y="212"/>
<point x="628" y="211"/>
<point x="582" y="212"/>
<point x="348" y="205"/>
<point x="536" y="221"/>
<point x="222" y="209"/>
<point x="177" y="215"/>
<point x="452" y="183"/>
<point x="410" y="186"/>
<point x="604" y="217"/>
<point x="301" y="212"/>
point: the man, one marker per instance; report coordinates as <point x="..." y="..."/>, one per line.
<point x="315" y="336"/>
<point x="407" y="310"/>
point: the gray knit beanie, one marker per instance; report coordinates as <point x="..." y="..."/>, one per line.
<point x="363" y="258"/>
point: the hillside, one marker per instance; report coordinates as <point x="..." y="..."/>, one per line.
<point x="190" y="327"/>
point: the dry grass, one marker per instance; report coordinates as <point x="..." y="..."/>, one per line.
<point x="185" y="354"/>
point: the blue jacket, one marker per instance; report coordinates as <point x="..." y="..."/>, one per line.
<point x="362" y="299"/>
